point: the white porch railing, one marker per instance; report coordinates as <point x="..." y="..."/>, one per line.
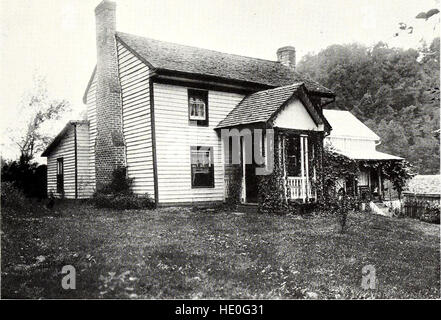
<point x="298" y="188"/>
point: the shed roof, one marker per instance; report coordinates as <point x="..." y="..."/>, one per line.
<point x="162" y="55"/>
<point x="424" y="184"/>
<point x="261" y="106"/>
<point x="54" y="143"/>
<point x="345" y="124"/>
<point x="368" y="155"/>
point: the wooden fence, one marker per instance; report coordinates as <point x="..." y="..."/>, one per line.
<point x="416" y="208"/>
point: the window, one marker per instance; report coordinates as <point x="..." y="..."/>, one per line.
<point x="293" y="159"/>
<point x="202" y="168"/>
<point x="198" y="107"/>
<point x="60" y="175"/>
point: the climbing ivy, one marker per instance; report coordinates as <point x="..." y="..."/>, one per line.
<point x="234" y="186"/>
<point x="336" y="167"/>
<point x="271" y="189"/>
<point x="398" y="172"/>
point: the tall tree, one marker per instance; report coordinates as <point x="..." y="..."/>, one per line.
<point x="394" y="91"/>
<point x="36" y="109"/>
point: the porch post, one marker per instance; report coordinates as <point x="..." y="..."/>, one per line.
<point x="244" y="185"/>
<point x="306" y="167"/>
<point x="302" y="166"/>
<point x="380" y="191"/>
<point x="314" y="172"/>
<point x="284" y="168"/>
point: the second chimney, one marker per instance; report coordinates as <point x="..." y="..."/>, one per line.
<point x="287" y="56"/>
<point x="109" y="143"/>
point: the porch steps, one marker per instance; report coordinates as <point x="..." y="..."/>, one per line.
<point x="380" y="208"/>
<point x="247" y="208"/>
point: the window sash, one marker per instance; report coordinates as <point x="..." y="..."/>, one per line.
<point x="60" y="175"/>
<point x="198" y="105"/>
<point x="197" y="109"/>
<point x="202" y="167"/>
<point x="60" y="166"/>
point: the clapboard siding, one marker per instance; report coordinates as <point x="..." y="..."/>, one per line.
<point x="86" y="182"/>
<point x="65" y="150"/>
<point x="174" y="137"/>
<point x="91" y="116"/>
<point x="351" y="144"/>
<point x="134" y="78"/>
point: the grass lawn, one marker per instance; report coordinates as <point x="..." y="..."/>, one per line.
<point x="184" y="253"/>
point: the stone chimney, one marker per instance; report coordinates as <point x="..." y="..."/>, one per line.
<point x="109" y="143"/>
<point x="287" y="56"/>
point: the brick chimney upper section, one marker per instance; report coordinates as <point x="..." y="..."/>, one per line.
<point x="287" y="56"/>
<point x="109" y="144"/>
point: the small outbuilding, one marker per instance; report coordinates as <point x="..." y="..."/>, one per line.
<point x="68" y="169"/>
<point x="423" y="188"/>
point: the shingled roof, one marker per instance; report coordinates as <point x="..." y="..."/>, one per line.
<point x="424" y="185"/>
<point x="262" y="105"/>
<point x="161" y="55"/>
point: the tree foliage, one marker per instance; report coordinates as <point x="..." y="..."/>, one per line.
<point x="36" y="110"/>
<point x="28" y="178"/>
<point x="399" y="173"/>
<point x="393" y="91"/>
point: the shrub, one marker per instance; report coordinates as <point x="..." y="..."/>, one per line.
<point x="118" y="194"/>
<point x="12" y="197"/>
<point x="30" y="178"/>
<point x="15" y="203"/>
<point x="123" y="201"/>
<point x="120" y="184"/>
<point x="340" y="205"/>
<point x="431" y="214"/>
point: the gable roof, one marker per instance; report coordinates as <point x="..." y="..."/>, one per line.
<point x="345" y="124"/>
<point x="263" y="105"/>
<point x="166" y="56"/>
<point x="424" y="184"/>
<point x="56" y="141"/>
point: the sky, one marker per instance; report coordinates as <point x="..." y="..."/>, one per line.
<point x="55" y="39"/>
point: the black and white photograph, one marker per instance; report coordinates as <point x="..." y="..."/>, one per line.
<point x="220" y="150"/>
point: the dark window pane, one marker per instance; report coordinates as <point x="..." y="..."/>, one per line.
<point x="202" y="168"/>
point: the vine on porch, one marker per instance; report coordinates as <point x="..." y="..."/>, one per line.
<point x="398" y="172"/>
<point x="271" y="189"/>
<point x="234" y="186"/>
<point x="336" y="167"/>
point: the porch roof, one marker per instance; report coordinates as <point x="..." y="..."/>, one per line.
<point x="368" y="155"/>
<point x="261" y="106"/>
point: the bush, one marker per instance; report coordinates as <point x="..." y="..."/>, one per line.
<point x="118" y="194"/>
<point x="340" y="205"/>
<point x="13" y="197"/>
<point x="123" y="201"/>
<point x="431" y="214"/>
<point x="30" y="178"/>
<point x="15" y="203"/>
<point x="120" y="183"/>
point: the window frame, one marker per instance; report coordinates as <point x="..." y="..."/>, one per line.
<point x="60" y="175"/>
<point x="201" y="94"/>
<point x="211" y="169"/>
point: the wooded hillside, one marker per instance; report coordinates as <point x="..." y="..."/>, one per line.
<point x="395" y="92"/>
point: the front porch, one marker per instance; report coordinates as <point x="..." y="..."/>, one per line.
<point x="296" y="159"/>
